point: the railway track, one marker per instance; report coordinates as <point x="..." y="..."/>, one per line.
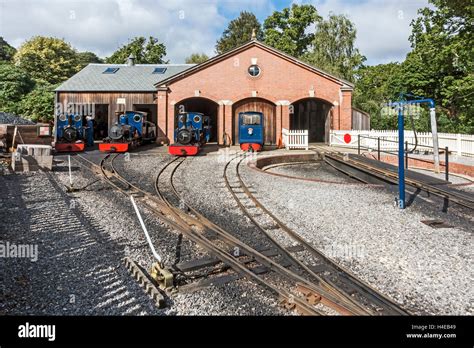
<point x="457" y="197"/>
<point x="302" y="292"/>
<point x="301" y="298"/>
<point x="223" y="240"/>
<point x="307" y="258"/>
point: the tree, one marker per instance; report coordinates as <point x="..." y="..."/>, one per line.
<point x="441" y="64"/>
<point x="375" y="86"/>
<point x="47" y="58"/>
<point x="145" y="52"/>
<point x="239" y="32"/>
<point x="14" y="84"/>
<point x="333" y="48"/>
<point x="86" y="58"/>
<point x="196" y="58"/>
<point x="6" y="51"/>
<point x="38" y="105"/>
<point x="288" y="30"/>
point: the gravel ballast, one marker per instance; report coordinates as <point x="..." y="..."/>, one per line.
<point x="83" y="236"/>
<point x="426" y="270"/>
<point x="72" y="262"/>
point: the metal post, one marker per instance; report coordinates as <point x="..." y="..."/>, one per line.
<point x="406" y="154"/>
<point x="70" y="173"/>
<point x="446" y="162"/>
<point x="401" y="167"/>
<point x="148" y="239"/>
<point x="434" y="131"/>
<point x="358" y="144"/>
<point x="378" y="148"/>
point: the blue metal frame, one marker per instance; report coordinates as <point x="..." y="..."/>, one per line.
<point x="401" y="140"/>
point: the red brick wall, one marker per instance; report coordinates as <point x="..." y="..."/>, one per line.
<point x="280" y="80"/>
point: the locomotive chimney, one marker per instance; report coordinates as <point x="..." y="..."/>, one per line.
<point x="131" y="60"/>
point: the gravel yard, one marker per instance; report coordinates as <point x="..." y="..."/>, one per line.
<point x="318" y="171"/>
<point x="426" y="270"/>
<point x="83" y="236"/>
<point x="78" y="268"/>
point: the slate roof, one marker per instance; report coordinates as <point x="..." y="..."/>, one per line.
<point x="136" y="78"/>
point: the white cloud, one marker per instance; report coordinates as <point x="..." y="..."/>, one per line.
<point x="185" y="26"/>
<point x="383" y="27"/>
<point x="188" y="26"/>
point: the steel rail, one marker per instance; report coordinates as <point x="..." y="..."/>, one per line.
<point x="164" y="211"/>
<point x="327" y="295"/>
<point x="328" y="287"/>
<point x="182" y="222"/>
<point x="363" y="288"/>
<point x="233" y="242"/>
<point x="387" y="175"/>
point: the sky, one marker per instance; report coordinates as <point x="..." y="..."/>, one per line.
<point x="190" y="26"/>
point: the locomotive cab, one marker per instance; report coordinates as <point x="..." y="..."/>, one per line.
<point x="130" y="129"/>
<point x="69" y="133"/>
<point x="193" y="129"/>
<point x="251" y="130"/>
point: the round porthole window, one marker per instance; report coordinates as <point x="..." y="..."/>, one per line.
<point x="254" y="70"/>
<point x="137" y="118"/>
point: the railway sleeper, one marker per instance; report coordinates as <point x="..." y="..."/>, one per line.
<point x="205" y="263"/>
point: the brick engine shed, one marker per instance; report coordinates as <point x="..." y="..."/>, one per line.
<point x="251" y="77"/>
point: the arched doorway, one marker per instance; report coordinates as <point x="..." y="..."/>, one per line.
<point x="314" y="115"/>
<point x="260" y="105"/>
<point x="199" y="104"/>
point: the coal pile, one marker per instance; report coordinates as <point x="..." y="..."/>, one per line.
<point x="8" y="118"/>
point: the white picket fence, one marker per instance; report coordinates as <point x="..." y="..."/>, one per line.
<point x="460" y="144"/>
<point x="295" y="139"/>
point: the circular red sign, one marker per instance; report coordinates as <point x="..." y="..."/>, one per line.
<point x="347" y="138"/>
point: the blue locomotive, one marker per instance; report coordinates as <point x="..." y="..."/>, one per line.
<point x="131" y="129"/>
<point x="251" y="130"/>
<point x="192" y="131"/>
<point x="69" y="133"/>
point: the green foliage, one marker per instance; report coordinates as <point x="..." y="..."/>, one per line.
<point x="14" y="83"/>
<point x="6" y="51"/>
<point x="85" y="58"/>
<point x="145" y="51"/>
<point x="375" y="86"/>
<point x="196" y="58"/>
<point x="47" y="58"/>
<point x="287" y="30"/>
<point x="440" y="66"/>
<point x="38" y="105"/>
<point x="333" y="48"/>
<point x="239" y="32"/>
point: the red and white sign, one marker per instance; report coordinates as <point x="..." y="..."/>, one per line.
<point x="347" y="138"/>
<point x="44" y="131"/>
